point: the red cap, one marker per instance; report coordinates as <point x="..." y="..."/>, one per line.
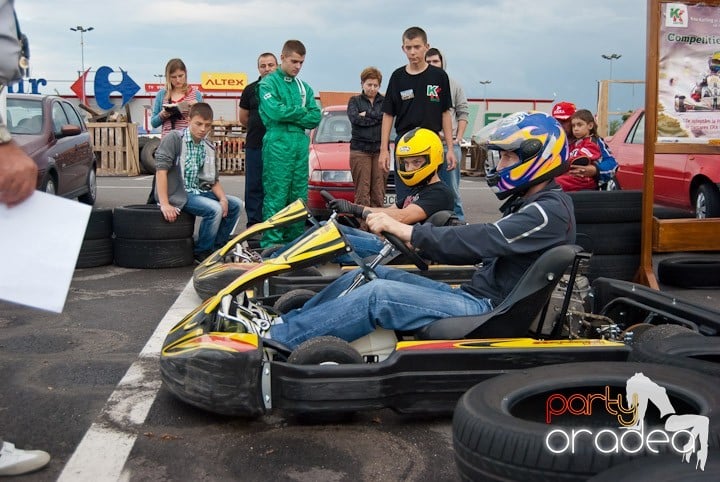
<point x="563" y="110"/>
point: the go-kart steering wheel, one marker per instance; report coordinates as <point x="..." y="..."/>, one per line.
<point x="403" y="248"/>
<point x="348" y="220"/>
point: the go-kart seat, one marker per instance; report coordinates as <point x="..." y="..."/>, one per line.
<point x="514" y="316"/>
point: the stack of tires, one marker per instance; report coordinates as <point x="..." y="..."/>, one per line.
<point x="143" y="239"/>
<point x="97" y="245"/>
<point x="609" y="226"/>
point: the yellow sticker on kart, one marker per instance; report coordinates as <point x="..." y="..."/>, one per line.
<point x="503" y="343"/>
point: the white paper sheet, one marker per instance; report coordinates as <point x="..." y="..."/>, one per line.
<point x="39" y="244"/>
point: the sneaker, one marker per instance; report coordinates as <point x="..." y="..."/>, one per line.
<point x="16" y="462"/>
<point x="201" y="256"/>
<point x="240" y="315"/>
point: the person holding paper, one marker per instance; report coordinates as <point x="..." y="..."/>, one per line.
<point x="18" y="178"/>
<point x="172" y="104"/>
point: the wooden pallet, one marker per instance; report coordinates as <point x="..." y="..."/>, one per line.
<point x="115" y="145"/>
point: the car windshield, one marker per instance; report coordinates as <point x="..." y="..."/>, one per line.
<point x="24" y="116"/>
<point x="334" y="127"/>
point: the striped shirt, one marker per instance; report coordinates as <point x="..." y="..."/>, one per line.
<point x="179" y="124"/>
<point x="193" y="163"/>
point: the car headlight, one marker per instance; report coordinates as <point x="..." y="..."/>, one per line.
<point x="331" y="176"/>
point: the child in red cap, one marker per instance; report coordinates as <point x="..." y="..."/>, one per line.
<point x="584" y="154"/>
<point x="562" y="111"/>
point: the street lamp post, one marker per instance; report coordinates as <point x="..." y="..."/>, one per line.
<point x="485" y="83"/>
<point x="82" y="31"/>
<point x="611" y="57"/>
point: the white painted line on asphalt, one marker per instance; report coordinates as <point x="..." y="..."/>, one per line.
<point x="106" y="446"/>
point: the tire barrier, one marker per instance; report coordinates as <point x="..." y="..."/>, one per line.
<point x="143" y="239"/>
<point x="97" y="246"/>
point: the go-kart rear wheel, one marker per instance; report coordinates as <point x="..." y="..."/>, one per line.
<point x="325" y="350"/>
<point x="292" y="299"/>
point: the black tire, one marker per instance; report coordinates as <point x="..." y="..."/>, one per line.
<point x="141" y="143"/>
<point x="325" y="350"/>
<point x="707" y="202"/>
<point x="100" y="224"/>
<point x="615" y="238"/>
<point x="155" y="253"/>
<point x="618" y="266"/>
<point x="690" y="271"/>
<point x="665" y="468"/>
<point x="147" y="155"/>
<point x="145" y="221"/>
<point x="292" y="299"/>
<point x="607" y="206"/>
<point x="95" y="252"/>
<point x="500" y="428"/>
<point x="90" y="196"/>
<point x="681" y="348"/>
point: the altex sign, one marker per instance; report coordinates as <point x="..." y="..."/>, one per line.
<point x="227" y="81"/>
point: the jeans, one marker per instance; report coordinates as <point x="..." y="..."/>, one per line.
<point x="253" y="186"/>
<point x="397" y="300"/>
<point x="452" y="180"/>
<point x="363" y="243"/>
<point x="214" y="229"/>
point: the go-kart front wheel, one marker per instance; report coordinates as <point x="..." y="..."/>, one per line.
<point x="325" y="350"/>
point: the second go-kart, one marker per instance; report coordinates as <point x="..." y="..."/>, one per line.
<point x="236" y="258"/>
<point x="216" y="360"/>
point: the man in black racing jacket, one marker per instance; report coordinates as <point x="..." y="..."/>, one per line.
<point x="537" y="216"/>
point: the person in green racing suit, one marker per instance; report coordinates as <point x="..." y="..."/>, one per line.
<point x="287" y="108"/>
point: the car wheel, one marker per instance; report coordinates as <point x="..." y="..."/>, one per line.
<point x="49" y="186"/>
<point x="292" y="299"/>
<point x="145" y="221"/>
<point x="147" y="155"/>
<point x="91" y="195"/>
<point x="707" y="202"/>
<point x="500" y="428"/>
<point x="690" y="271"/>
<point x="678" y="346"/>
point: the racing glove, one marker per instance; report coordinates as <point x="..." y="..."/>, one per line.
<point x="343" y="206"/>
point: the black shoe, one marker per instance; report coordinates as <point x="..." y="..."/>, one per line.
<point x="201" y="256"/>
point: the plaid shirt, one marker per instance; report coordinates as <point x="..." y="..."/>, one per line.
<point x="193" y="163"/>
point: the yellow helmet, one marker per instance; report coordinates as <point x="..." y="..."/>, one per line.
<point x="418" y="142"/>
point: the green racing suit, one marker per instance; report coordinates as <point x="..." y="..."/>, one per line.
<point x="287" y="108"/>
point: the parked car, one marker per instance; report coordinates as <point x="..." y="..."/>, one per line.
<point x="329" y="161"/>
<point x="51" y="131"/>
<point x="685" y="181"/>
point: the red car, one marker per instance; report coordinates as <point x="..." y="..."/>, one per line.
<point x="685" y="181"/>
<point x="329" y="161"/>
<point x="50" y="131"/>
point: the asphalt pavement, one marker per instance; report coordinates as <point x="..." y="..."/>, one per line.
<point x="84" y="385"/>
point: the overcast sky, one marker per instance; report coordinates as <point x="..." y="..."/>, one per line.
<point x="526" y="48"/>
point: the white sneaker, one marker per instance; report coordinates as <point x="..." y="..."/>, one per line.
<point x="15" y="461"/>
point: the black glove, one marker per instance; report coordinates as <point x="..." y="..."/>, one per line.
<point x="343" y="206"/>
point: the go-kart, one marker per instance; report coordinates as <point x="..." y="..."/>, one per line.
<point x="708" y="98"/>
<point x="215" y="360"/>
<point x="236" y="257"/>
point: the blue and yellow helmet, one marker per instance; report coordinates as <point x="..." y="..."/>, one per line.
<point x="537" y="139"/>
<point x="714" y="62"/>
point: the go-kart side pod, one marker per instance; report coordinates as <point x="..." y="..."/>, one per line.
<point x="316" y="246"/>
<point x="213" y="369"/>
<point x="292" y="213"/>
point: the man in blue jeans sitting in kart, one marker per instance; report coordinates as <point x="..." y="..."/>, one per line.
<point x="537" y="216"/>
